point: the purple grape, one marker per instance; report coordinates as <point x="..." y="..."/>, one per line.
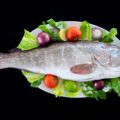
<point x="99" y="84"/>
<point x="43" y="38"/>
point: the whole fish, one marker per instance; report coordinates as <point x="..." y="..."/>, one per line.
<point x="79" y="61"/>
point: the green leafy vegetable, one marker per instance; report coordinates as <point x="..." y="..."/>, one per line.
<point x="58" y="25"/>
<point x="115" y="85"/>
<point x="49" y="30"/>
<point x="86" y="31"/>
<point x="109" y="37"/>
<point x="113" y="33"/>
<point x="32" y="77"/>
<point x="104" y="33"/>
<point x="59" y="90"/>
<point x="36" y="83"/>
<point x="101" y="94"/>
<point x="28" y="41"/>
<point x="89" y="91"/>
<point x="52" y="23"/>
<point x="61" y="25"/>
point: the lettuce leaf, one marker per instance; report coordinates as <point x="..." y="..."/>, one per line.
<point x="28" y="41"/>
<point x="59" y="90"/>
<point x="32" y="77"/>
<point x="86" y="31"/>
<point x="58" y="25"/>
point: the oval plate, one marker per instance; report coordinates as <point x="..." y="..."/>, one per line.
<point x="77" y="24"/>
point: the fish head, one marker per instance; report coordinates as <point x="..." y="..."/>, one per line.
<point x="115" y="58"/>
<point x="112" y="68"/>
<point x="107" y="55"/>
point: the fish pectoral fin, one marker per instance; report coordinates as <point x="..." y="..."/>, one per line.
<point x="83" y="68"/>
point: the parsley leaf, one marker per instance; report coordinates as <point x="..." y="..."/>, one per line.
<point x="115" y="84"/>
<point x="89" y="91"/>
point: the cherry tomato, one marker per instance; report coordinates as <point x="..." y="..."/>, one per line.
<point x="50" y="81"/>
<point x="73" y="33"/>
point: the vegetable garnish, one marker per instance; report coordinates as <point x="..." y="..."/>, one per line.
<point x="89" y="90"/>
<point x="96" y="33"/>
<point x="70" y="86"/>
<point x="28" y="41"/>
<point x="59" y="89"/>
<point x="99" y="84"/>
<point x="86" y="31"/>
<point x="33" y="78"/>
<point x="114" y="85"/>
<point x="51" y="81"/>
<point x="50" y="28"/>
<point x="108" y="38"/>
<point x="73" y="33"/>
<point x="57" y="31"/>
<point x="62" y="34"/>
<point x="58" y="25"/>
<point x="43" y="38"/>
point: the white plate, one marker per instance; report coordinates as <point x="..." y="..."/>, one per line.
<point x="77" y="24"/>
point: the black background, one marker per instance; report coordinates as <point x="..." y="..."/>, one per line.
<point x="15" y="92"/>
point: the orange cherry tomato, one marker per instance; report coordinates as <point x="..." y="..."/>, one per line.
<point x="50" y="81"/>
<point x="73" y="33"/>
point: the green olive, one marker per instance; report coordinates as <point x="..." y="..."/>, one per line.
<point x="70" y="86"/>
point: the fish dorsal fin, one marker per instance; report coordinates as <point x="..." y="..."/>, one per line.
<point x="83" y="68"/>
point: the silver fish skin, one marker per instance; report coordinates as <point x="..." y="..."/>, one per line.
<point x="79" y="61"/>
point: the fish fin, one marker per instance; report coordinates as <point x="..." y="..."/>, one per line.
<point x="83" y="68"/>
<point x="14" y="50"/>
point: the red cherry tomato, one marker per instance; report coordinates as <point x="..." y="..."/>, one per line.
<point x="50" y="81"/>
<point x="73" y="33"/>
